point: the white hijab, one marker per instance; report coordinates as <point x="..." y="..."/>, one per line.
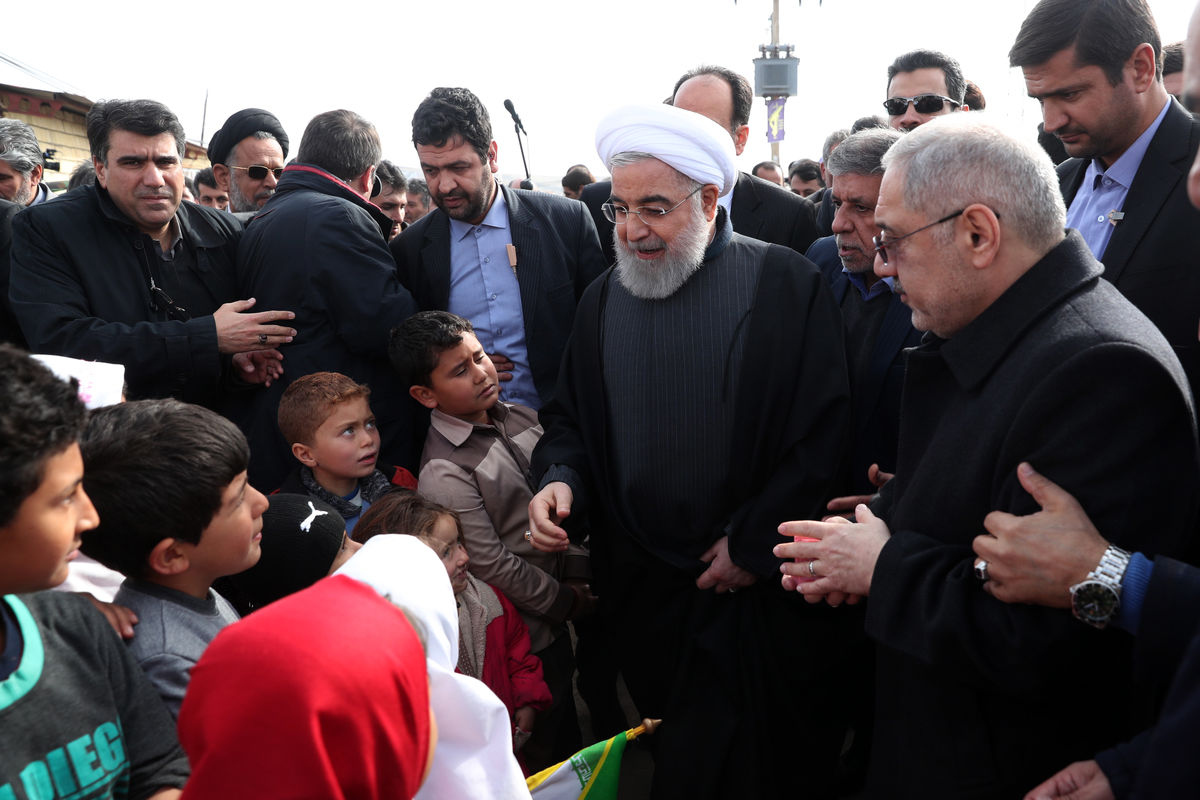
<point x="474" y="756"/>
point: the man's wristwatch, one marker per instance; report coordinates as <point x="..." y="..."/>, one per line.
<point x="1096" y="599"/>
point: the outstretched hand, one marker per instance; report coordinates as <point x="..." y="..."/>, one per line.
<point x="1038" y="557"/>
<point x="239" y="331"/>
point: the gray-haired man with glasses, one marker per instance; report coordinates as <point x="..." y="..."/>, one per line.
<point x="1029" y="356"/>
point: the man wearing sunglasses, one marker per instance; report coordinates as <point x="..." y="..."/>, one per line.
<point x="922" y="85"/>
<point x="1029" y="356"/>
<point x="1095" y="67"/>
<point x="247" y="156"/>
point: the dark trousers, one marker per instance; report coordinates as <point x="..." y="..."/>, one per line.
<point x="556" y="732"/>
<point x="752" y="687"/>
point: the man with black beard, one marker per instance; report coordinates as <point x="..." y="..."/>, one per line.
<point x="702" y="398"/>
<point x="511" y="261"/>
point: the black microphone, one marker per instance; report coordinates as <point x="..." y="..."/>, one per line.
<point x="508" y="104"/>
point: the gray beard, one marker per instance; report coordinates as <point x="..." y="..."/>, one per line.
<point x="238" y="201"/>
<point x="24" y="194"/>
<point x="663" y="277"/>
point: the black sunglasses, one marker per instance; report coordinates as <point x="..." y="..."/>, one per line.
<point x="258" y="172"/>
<point x="923" y="103"/>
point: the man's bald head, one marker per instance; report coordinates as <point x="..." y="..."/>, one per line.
<point x="720" y="94"/>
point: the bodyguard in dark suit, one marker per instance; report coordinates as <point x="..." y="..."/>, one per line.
<point x="878" y="326"/>
<point x="1030" y="356"/>
<point x="1132" y="146"/>
<point x="513" y="262"/>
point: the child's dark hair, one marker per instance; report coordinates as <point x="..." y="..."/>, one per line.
<point x="41" y="417"/>
<point x="155" y="469"/>
<point x="419" y="341"/>
<point x="402" y="511"/>
<point x="308" y="401"/>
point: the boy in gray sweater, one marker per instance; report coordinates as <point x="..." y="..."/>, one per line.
<point x="176" y="513"/>
<point x="78" y="717"/>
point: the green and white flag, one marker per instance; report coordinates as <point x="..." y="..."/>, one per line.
<point x="591" y="774"/>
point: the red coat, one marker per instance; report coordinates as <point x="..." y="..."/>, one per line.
<point x="509" y="669"/>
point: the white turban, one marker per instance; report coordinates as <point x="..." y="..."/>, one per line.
<point x="689" y="142"/>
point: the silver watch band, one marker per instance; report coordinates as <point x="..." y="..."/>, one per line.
<point x="1111" y="568"/>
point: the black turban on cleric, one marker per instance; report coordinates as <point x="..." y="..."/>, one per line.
<point x="241" y="124"/>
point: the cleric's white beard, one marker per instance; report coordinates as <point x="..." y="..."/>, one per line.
<point x="662" y="277"/>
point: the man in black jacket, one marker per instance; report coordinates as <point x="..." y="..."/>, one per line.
<point x="124" y="272"/>
<point x="319" y="247"/>
<point x="1023" y="342"/>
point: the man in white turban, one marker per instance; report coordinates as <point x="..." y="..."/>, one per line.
<point x="702" y="399"/>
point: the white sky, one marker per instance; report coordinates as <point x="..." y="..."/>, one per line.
<point x="563" y="63"/>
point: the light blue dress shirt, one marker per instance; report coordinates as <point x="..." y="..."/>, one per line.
<point x="1101" y="195"/>
<point x="484" y="290"/>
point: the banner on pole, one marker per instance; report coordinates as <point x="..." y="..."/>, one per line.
<point x="775" y="130"/>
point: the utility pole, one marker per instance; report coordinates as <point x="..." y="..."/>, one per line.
<point x="775" y="79"/>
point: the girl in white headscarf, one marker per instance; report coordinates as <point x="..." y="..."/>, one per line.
<point x="474" y="756"/>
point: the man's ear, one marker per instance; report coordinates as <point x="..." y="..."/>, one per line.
<point x="739" y="139"/>
<point x="493" y="152"/>
<point x="167" y="558"/>
<point x="304" y="454"/>
<point x="364" y="183"/>
<point x="35" y="176"/>
<point x="221" y="173"/>
<point x="101" y="172"/>
<point x="983" y="227"/>
<point x="708" y="200"/>
<point x="423" y="395"/>
<point x="1141" y="65"/>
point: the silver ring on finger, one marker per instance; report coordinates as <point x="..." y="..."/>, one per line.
<point x="981" y="571"/>
<point x="262" y="338"/>
<point x="811" y="569"/>
<point x="529" y="536"/>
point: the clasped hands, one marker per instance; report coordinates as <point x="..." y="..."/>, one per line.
<point x="842" y="559"/>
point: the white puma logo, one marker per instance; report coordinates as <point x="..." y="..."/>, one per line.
<point x="306" y="525"/>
